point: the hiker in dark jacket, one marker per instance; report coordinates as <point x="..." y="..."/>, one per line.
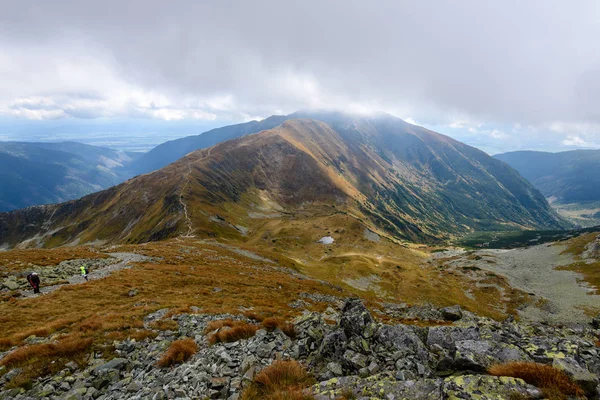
<point x="34" y="280"/>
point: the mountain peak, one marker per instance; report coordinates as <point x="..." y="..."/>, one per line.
<point x="387" y="176"/>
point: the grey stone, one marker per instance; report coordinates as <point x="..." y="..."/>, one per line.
<point x="582" y="377"/>
<point x="335" y="368"/>
<point x="596" y="321"/>
<point x="355" y="317"/>
<point x="114" y="364"/>
<point x="453" y="313"/>
<point x="133" y="387"/>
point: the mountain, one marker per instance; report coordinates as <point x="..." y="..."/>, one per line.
<point x="42" y="173"/>
<point x="567" y="177"/>
<point x="339" y="172"/>
<point x="168" y="152"/>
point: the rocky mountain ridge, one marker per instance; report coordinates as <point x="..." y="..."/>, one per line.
<point x="393" y="177"/>
<point x="352" y="353"/>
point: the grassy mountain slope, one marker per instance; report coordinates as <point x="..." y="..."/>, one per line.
<point x="569" y="177"/>
<point x="390" y="177"/>
<point x="168" y="152"/>
<point x="43" y="173"/>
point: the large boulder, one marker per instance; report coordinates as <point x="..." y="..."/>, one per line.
<point x="485" y="387"/>
<point x="479" y="355"/>
<point x="381" y="386"/>
<point x="356" y="320"/>
<point x="447" y="336"/>
<point x="581" y="376"/>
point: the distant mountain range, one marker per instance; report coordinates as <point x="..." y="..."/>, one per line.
<point x="565" y="177"/>
<point x="570" y="180"/>
<point x="44" y="173"/>
<point x="314" y="169"/>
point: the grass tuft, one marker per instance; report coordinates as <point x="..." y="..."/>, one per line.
<point x="281" y="380"/>
<point x="270" y="324"/>
<point x="178" y="352"/>
<point x="347" y="394"/>
<point x="46" y="358"/>
<point x="554" y="383"/>
<point x="227" y="334"/>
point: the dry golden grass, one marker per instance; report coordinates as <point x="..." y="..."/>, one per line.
<point x="185" y="277"/>
<point x="590" y="271"/>
<point x="222" y="323"/>
<point x="281" y="380"/>
<point x="164" y="324"/>
<point x="554" y="383"/>
<point x="46" y="358"/>
<point x="18" y="260"/>
<point x="272" y="323"/>
<point x="178" y="352"/>
<point x="233" y="334"/>
<point x="347" y="394"/>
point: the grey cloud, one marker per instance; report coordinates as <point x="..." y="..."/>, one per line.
<point x="531" y="62"/>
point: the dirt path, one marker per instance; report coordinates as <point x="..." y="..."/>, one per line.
<point x="560" y="297"/>
<point x="188" y="221"/>
<point x="122" y="261"/>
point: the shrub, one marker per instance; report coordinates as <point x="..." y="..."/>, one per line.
<point x="554" y="383"/>
<point x="178" y="352"/>
<point x="280" y="380"/>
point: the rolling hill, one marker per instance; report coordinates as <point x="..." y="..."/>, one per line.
<point x="43" y="173"/>
<point x="342" y="173"/>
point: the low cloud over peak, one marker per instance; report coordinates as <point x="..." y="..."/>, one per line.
<point x="465" y="68"/>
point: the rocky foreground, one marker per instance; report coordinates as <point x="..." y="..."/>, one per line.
<point x="346" y="351"/>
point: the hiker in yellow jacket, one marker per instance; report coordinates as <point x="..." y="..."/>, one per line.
<point x="84" y="272"/>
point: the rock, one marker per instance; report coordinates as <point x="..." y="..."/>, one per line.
<point x="377" y="361"/>
<point x="132" y="292"/>
<point x="582" y="377"/>
<point x="355" y="318"/>
<point x="335" y="368"/>
<point x="447" y="336"/>
<point x="382" y="386"/>
<point x="478" y="355"/>
<point x="72" y="365"/>
<point x="12" y="373"/>
<point x="333" y="345"/>
<point x="219" y="382"/>
<point x="596" y="322"/>
<point x="114" y="364"/>
<point x="453" y="313"/>
<point x="11" y="284"/>
<point x="485" y="387"/>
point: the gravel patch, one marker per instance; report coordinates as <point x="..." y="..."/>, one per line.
<point x="532" y="270"/>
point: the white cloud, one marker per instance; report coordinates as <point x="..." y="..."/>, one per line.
<point x="576" y="141"/>
<point x="497" y="134"/>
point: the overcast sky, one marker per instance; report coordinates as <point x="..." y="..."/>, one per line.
<point x="500" y="75"/>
